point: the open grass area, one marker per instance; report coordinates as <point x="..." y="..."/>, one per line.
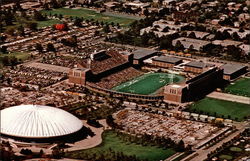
<point x="240" y="87"/>
<point x="46" y="23"/>
<point x="18" y="55"/>
<point x="90" y="14"/>
<point x="111" y="141"/>
<point x="221" y="108"/>
<point x="148" y="83"/>
<point x="227" y="157"/>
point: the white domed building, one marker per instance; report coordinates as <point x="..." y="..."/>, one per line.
<point x="38" y="123"/>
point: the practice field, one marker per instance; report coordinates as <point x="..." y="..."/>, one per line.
<point x="90" y="14"/>
<point x="148" y="83"/>
<point x="46" y="23"/>
<point x="221" y="108"/>
<point x="112" y="141"/>
<point x="240" y="87"/>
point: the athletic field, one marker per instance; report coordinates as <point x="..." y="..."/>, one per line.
<point x="112" y="142"/>
<point x="148" y="83"/>
<point x="240" y="87"/>
<point x="90" y="14"/>
<point x="221" y="108"/>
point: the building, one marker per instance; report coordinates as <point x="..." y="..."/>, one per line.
<point x="78" y="75"/>
<point x="142" y="54"/>
<point x="190" y="43"/>
<point x="38" y="123"/>
<point x="226" y="43"/>
<point x="245" y="49"/>
<point x="196" y="67"/>
<point x="232" y="71"/>
<point x="166" y="61"/>
<point x="195" y="88"/>
<point x="198" y="34"/>
<point x="174" y="92"/>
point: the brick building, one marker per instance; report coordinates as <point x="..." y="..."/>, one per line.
<point x="232" y="71"/>
<point x="196" y="67"/>
<point x="195" y="88"/>
<point x="166" y="61"/>
<point x="78" y="75"/>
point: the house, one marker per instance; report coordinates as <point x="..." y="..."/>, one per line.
<point x="226" y="43"/>
<point x="188" y="43"/>
<point x="199" y="34"/>
<point x="245" y="48"/>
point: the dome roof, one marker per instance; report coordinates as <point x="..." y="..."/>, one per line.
<point x="36" y="121"/>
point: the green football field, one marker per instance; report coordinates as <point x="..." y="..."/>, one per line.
<point x="112" y="141"/>
<point x="240" y="87"/>
<point x="220" y="108"/>
<point x="148" y="83"/>
<point x="90" y="14"/>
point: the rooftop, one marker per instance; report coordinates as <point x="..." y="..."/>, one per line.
<point x="232" y="68"/>
<point x="196" y="64"/>
<point x="141" y="53"/>
<point x="168" y="59"/>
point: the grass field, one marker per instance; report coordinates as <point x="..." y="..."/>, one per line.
<point x="111" y="141"/>
<point x="47" y="23"/>
<point x="240" y="87"/>
<point x="211" y="106"/>
<point x="18" y="55"/>
<point x="147" y="84"/>
<point x="90" y="14"/>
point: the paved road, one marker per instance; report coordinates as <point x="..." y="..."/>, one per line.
<point x="229" y="97"/>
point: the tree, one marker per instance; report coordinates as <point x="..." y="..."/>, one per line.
<point x="234" y="52"/>
<point x="106" y="29"/>
<point x="236" y="36"/>
<point x="3" y="38"/>
<point x="219" y="36"/>
<point x="181" y="146"/>
<point x="166" y="29"/>
<point x="39" y="47"/>
<point x="4" y="49"/>
<point x="179" y="46"/>
<point x="38" y="16"/>
<point x="78" y="22"/>
<point x="32" y="25"/>
<point x="50" y="47"/>
<point x="20" y="30"/>
<point x="192" y="35"/>
<point x="146" y="12"/>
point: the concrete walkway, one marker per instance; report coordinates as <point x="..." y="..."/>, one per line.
<point x="229" y="97"/>
<point x="91" y="141"/>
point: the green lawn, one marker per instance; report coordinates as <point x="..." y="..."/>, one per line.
<point x="111" y="141"/>
<point x="46" y="23"/>
<point x="147" y="83"/>
<point x="240" y="87"/>
<point x="221" y="107"/>
<point x="18" y="55"/>
<point x="90" y="14"/>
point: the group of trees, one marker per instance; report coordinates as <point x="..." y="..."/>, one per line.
<point x="105" y="155"/>
<point x="153" y="140"/>
<point x="9" y="61"/>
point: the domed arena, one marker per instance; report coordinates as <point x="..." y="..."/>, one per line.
<point x="38" y="123"/>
